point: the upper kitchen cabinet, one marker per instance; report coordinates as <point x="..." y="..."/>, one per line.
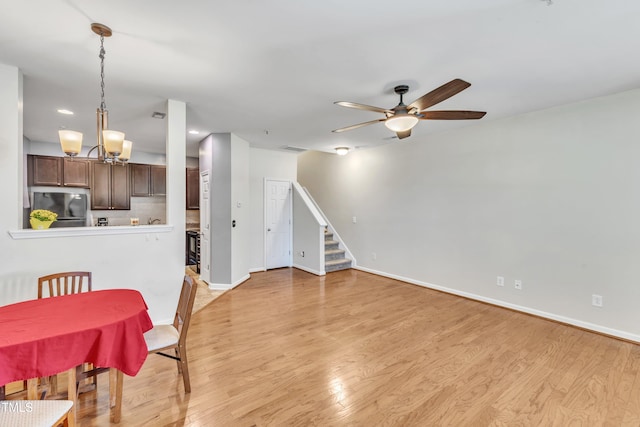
<point x="148" y="180"/>
<point x="58" y="171"/>
<point x="193" y="188"/>
<point x="75" y="173"/>
<point x="110" y="187"/>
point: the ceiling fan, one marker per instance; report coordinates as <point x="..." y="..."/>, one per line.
<point x="402" y="118"/>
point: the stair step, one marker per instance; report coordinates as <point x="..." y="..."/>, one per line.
<point x="332" y="254"/>
<point x="328" y="236"/>
<point x="330" y="244"/>
<point x="337" y="264"/>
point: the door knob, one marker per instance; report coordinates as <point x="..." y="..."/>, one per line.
<point x="268" y="229"/>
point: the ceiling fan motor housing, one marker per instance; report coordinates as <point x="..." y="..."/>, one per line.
<point x="401" y="89"/>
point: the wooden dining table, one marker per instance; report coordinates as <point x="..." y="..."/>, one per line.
<point x="44" y="337"/>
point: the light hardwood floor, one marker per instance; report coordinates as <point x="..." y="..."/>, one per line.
<point x="289" y="348"/>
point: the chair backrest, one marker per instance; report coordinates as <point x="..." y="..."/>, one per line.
<point x="70" y="282"/>
<point x="185" y="307"/>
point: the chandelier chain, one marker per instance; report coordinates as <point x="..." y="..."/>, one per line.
<point x="103" y="105"/>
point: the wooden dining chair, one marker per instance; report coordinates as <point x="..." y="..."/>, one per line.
<point x="70" y="282"/>
<point x="166" y="337"/>
<point x="38" y="413"/>
<point x="65" y="283"/>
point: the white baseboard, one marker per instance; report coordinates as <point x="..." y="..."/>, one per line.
<point x="219" y="286"/>
<point x="227" y="286"/>
<point x="551" y="316"/>
<point x="309" y="270"/>
<point x="257" y="270"/>
<point x="241" y="280"/>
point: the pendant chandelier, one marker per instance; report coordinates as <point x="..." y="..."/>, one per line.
<point x="111" y="145"/>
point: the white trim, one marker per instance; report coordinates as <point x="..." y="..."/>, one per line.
<point x="333" y="230"/>
<point x="241" y="280"/>
<point x="227" y="286"/>
<point x="257" y="270"/>
<point x="219" y="286"/>
<point x="89" y="231"/>
<point x="562" y="319"/>
<point x="309" y="270"/>
<point x="311" y="205"/>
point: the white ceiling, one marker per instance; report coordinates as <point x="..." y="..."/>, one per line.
<point x="270" y="71"/>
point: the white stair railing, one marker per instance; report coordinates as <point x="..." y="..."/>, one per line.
<point x="336" y="236"/>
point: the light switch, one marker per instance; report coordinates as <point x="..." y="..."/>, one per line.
<point x="354" y="219"/>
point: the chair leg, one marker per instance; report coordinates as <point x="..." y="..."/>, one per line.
<point x="185" y="368"/>
<point x="53" y="384"/>
<point x="2" y="393"/>
<point x="178" y="359"/>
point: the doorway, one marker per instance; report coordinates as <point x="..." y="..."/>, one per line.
<point x="278" y="212"/>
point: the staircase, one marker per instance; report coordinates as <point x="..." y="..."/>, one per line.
<point x="334" y="259"/>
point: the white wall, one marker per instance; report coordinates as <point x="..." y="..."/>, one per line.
<point x="240" y="207"/>
<point x="215" y="156"/>
<point x="550" y="198"/>
<point x="308" y="234"/>
<point x="227" y="158"/>
<point x="265" y="164"/>
<point x="151" y="263"/>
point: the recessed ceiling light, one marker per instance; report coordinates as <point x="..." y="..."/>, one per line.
<point x="194" y="132"/>
<point x="67" y="112"/>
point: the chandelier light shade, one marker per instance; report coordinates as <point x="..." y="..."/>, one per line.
<point x="401" y="122"/>
<point x="126" y="150"/>
<point x="110" y="144"/>
<point x="71" y="142"/>
<point x="113" y="141"/>
<point x="342" y="151"/>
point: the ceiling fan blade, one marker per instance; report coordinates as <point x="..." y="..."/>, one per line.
<point x="359" y="125"/>
<point x="362" y="107"/>
<point x="445" y="91"/>
<point x="405" y="134"/>
<point x="451" y="115"/>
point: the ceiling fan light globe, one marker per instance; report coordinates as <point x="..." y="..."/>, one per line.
<point x="401" y="122"/>
<point x="71" y="142"/>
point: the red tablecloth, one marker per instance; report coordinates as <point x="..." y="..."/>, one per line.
<point x="47" y="336"/>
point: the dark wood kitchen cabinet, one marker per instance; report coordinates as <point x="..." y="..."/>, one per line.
<point x="58" y="171"/>
<point x="75" y="173"/>
<point x="110" y="187"/>
<point x="148" y="180"/>
<point x="193" y="188"/>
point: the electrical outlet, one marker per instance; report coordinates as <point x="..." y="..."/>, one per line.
<point x="500" y="281"/>
<point x="518" y="284"/>
<point x="354" y="219"/>
<point x="374" y="256"/>
<point x="596" y="300"/>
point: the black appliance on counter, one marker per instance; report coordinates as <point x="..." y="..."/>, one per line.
<point x="70" y="207"/>
<point x="192" y="253"/>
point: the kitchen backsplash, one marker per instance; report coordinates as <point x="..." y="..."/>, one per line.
<point x="144" y="208"/>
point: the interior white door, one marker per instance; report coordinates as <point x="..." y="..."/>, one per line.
<point x="205" y="228"/>
<point x="278" y="223"/>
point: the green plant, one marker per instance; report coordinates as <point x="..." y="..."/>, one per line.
<point x="43" y="215"/>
